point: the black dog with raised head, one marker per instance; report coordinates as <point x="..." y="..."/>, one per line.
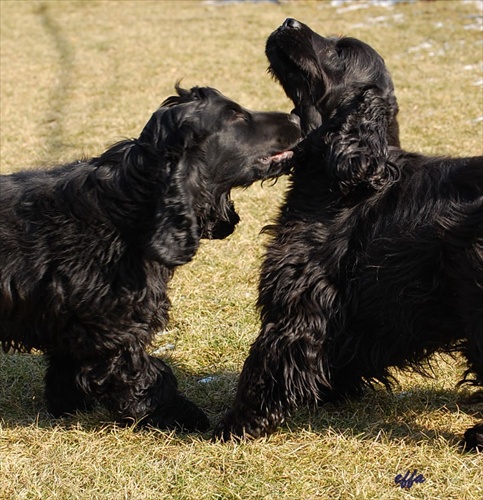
<point x="376" y="258"/>
<point x="87" y="249"/>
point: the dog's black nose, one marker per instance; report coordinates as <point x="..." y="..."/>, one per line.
<point x="291" y="23"/>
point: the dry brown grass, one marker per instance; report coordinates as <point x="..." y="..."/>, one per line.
<point x="77" y="76"/>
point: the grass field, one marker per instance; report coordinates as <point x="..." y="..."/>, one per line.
<point x="77" y="76"/>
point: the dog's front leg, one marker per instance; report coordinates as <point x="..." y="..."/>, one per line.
<point x="142" y="389"/>
<point x="281" y="371"/>
<point x="63" y="394"/>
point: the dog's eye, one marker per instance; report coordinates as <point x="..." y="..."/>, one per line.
<point x="237" y="115"/>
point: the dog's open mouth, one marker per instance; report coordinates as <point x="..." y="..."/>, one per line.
<point x="276" y="158"/>
<point x="290" y="63"/>
<point x="293" y="62"/>
<point x="301" y="81"/>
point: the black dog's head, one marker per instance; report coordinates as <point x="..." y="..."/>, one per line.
<point x="208" y="145"/>
<point x="321" y="75"/>
<point x="343" y="92"/>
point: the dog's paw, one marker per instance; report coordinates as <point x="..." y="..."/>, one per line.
<point x="182" y="415"/>
<point x="234" y="428"/>
<point x="473" y="439"/>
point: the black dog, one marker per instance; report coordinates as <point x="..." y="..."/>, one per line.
<point x="376" y="259"/>
<point x="87" y="249"/>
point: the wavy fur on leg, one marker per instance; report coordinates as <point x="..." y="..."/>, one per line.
<point x="87" y="249"/>
<point x="376" y="258"/>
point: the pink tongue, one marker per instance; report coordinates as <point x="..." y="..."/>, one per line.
<point x="284" y="155"/>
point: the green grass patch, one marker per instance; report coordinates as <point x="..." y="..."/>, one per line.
<point x="77" y="76"/>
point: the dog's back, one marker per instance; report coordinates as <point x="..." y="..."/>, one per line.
<point x="41" y="225"/>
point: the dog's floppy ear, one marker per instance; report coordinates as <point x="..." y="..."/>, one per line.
<point x="170" y="130"/>
<point x="358" y="148"/>
<point x="167" y="137"/>
<point x="176" y="238"/>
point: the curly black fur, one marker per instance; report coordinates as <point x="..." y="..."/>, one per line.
<point x="87" y="249"/>
<point x="376" y="259"/>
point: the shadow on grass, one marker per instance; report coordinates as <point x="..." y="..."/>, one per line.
<point x="22" y="401"/>
<point x="397" y="416"/>
<point x="418" y="415"/>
